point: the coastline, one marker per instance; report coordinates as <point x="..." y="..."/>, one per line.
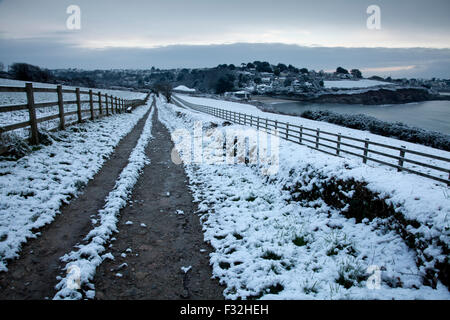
<point x="380" y="96"/>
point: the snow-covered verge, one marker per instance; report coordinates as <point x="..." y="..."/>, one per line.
<point x="86" y="257"/>
<point x="272" y="240"/>
<point x="333" y="128"/>
<point x="33" y="188"/>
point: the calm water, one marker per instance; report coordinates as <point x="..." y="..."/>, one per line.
<point x="431" y="115"/>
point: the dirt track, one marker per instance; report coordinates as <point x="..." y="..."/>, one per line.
<point x="168" y="242"/>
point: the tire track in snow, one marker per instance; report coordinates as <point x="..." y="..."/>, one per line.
<point x="32" y="275"/>
<point x="87" y="257"/>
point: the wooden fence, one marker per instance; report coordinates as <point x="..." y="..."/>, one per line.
<point x="331" y="143"/>
<point x="103" y="104"/>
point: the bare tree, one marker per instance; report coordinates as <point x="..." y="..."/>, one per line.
<point x="2" y="67"/>
<point x="165" y="88"/>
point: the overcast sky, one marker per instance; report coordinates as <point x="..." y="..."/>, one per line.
<point x="203" y="33"/>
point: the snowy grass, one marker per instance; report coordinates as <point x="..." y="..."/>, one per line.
<point x="33" y="188"/>
<point x="270" y="245"/>
<point x="88" y="256"/>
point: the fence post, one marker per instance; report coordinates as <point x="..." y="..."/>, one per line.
<point x="100" y="103"/>
<point x="62" y="123"/>
<point x="106" y="105"/>
<point x="257" y="124"/>
<point x="338" y="147"/>
<point x="32" y="114"/>
<point x="276" y="127"/>
<point x="80" y="116"/>
<point x="112" y="105"/>
<point x="317" y="138"/>
<point x="300" y="138"/>
<point x="245" y="119"/>
<point x="287" y="131"/>
<point x="91" y="104"/>
<point x="402" y="156"/>
<point x="366" y="151"/>
<point x="267" y="124"/>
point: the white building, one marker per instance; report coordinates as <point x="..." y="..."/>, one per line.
<point x="183" y="89"/>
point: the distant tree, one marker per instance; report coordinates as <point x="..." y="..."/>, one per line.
<point x="287" y="82"/>
<point x="321" y="83"/>
<point x="250" y="66"/>
<point x="257" y="80"/>
<point x="277" y="72"/>
<point x="377" y="78"/>
<point x="225" y="84"/>
<point x="304" y="71"/>
<point x="292" y="69"/>
<point x="181" y="76"/>
<point x="263" y="66"/>
<point x="341" y="70"/>
<point x="282" y="67"/>
<point x="164" y="88"/>
<point x="356" y="73"/>
<point x="2" y="67"/>
<point x="242" y="80"/>
<point x="231" y="67"/>
<point x="28" y="72"/>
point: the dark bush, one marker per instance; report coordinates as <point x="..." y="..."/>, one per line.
<point x="27" y="72"/>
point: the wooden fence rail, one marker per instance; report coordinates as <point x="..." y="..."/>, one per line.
<point x="112" y="105"/>
<point x="329" y="142"/>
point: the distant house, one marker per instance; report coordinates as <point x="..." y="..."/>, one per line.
<point x="238" y="95"/>
<point x="266" y="74"/>
<point x="183" y="89"/>
<point x="266" y="80"/>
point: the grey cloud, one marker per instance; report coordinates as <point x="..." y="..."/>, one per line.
<point x="426" y="62"/>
